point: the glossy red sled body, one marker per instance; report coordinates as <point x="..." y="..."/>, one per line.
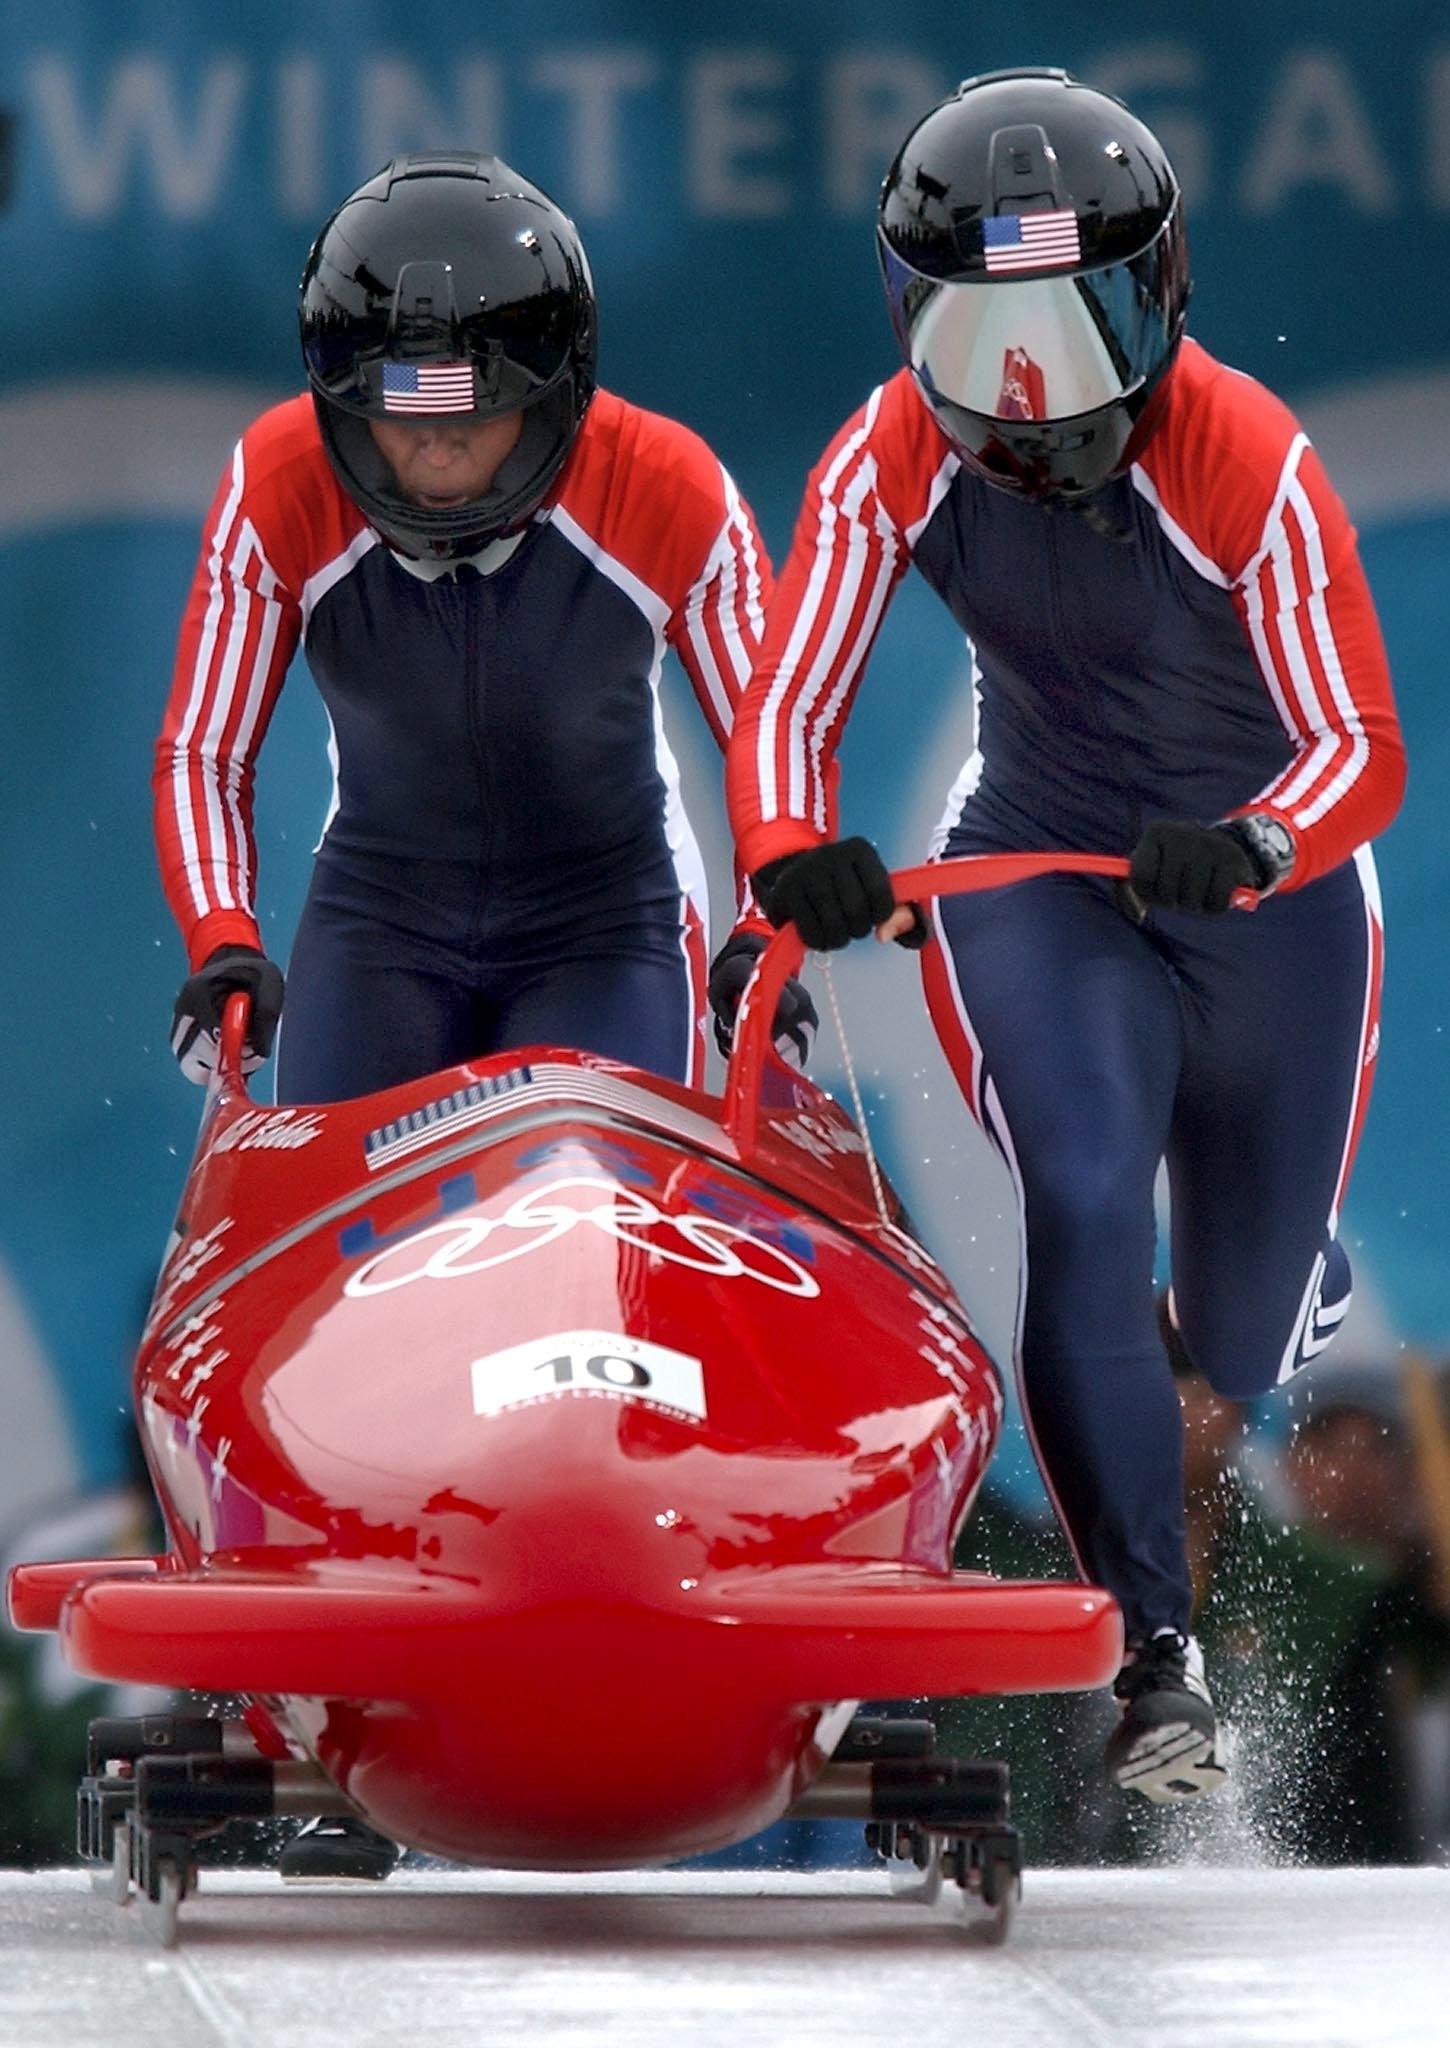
<point x="555" y="1455"/>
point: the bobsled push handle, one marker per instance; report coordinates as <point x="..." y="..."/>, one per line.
<point x="235" y="1018"/>
<point x="782" y="958"/>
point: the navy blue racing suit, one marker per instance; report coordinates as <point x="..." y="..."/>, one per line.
<point x="1198" y="641"/>
<point x="507" y="860"/>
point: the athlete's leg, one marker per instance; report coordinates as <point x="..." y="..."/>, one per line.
<point x="1281" y="1031"/>
<point x="1062" y="1024"/>
<point x="367" y="1006"/>
<point x="642" y="1004"/>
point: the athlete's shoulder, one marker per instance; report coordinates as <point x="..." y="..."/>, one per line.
<point x="1219" y="457"/>
<point x="902" y="417"/>
<point x="285" y="487"/>
<point x="1227" y="413"/>
<point x="895" y="424"/>
<point x="648" y="491"/>
<point x="892" y="445"/>
<point x="621" y="444"/>
<point x="282" y="442"/>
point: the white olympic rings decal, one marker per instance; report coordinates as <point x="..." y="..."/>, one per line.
<point x="475" y="1244"/>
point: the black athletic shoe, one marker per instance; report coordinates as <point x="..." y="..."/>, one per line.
<point x="330" y="1848"/>
<point x="1168" y="1744"/>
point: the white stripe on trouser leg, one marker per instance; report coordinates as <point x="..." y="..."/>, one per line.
<point x="1314" y="1325"/>
<point x="988" y="1112"/>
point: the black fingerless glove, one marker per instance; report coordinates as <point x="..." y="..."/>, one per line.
<point x="831" y="893"/>
<point x="795" y="1023"/>
<point x="1179" y="866"/>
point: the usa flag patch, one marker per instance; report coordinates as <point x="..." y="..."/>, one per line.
<point x="427" y="387"/>
<point x="1031" y="241"/>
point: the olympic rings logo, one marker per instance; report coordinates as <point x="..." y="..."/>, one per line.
<point x="477" y="1244"/>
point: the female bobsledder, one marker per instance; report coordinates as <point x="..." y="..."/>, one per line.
<point x="484" y="559"/>
<point x="1175" y="656"/>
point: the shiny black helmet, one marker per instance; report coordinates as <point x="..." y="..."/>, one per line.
<point x="448" y="284"/>
<point x="1032" y="244"/>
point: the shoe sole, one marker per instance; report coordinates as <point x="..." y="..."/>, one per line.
<point x="1172" y="1764"/>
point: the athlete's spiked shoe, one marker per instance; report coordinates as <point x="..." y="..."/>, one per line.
<point x="331" y="1849"/>
<point x="1168" y="1744"/>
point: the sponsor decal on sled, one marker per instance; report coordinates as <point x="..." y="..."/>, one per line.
<point x="270" y="1130"/>
<point x="597" y="1362"/>
<point x="823" y="1139"/>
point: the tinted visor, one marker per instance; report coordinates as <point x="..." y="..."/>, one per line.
<point x="1038" y="348"/>
<point x="523" y="481"/>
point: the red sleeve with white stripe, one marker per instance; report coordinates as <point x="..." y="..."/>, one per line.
<point x="1236" y="472"/>
<point x="238" y="634"/>
<point x="865" y="504"/>
<point x="716" y="632"/>
<point x="716" y="628"/>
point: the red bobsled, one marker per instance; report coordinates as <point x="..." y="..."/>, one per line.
<point x="554" y="1455"/>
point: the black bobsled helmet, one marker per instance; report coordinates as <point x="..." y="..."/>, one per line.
<point x="448" y="284"/>
<point x="1031" y="239"/>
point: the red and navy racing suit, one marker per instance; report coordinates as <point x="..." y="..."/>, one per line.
<point x="507" y="860"/>
<point x="1201" y="641"/>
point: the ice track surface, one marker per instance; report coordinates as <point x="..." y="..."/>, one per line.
<point x="1201" y="1958"/>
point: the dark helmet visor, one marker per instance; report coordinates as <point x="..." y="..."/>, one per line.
<point x="1036" y="348"/>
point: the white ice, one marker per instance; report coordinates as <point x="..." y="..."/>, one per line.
<point x="1164" y="1958"/>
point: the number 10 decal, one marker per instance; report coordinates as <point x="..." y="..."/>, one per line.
<point x="608" y="1367"/>
<point x="589" y="1362"/>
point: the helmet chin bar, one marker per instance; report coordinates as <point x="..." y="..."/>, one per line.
<point x="448" y="533"/>
<point x="1052" y="460"/>
<point x="1064" y="459"/>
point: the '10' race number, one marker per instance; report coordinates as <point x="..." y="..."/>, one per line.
<point x="605" y="1366"/>
<point x="588" y="1362"/>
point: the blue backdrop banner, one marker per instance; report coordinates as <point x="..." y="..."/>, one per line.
<point x="163" y="168"/>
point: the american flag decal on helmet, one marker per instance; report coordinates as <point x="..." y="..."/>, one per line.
<point x="427" y="387"/>
<point x="1031" y="241"/>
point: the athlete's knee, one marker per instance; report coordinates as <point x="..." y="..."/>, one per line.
<point x="1084" y="1170"/>
<point x="1085" y="1205"/>
<point x="1247" y="1341"/>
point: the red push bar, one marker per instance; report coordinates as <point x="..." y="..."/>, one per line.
<point x="783" y="956"/>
